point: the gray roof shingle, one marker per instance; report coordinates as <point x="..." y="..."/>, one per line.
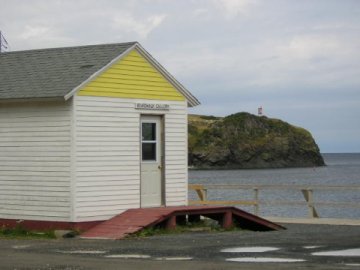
<point x="52" y="73"/>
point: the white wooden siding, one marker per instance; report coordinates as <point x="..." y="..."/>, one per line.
<point x="107" y="156"/>
<point x="176" y="155"/>
<point x="35" y="161"/>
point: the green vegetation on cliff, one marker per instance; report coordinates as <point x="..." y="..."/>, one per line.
<point x="243" y="140"/>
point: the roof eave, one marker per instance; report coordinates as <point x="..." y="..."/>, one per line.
<point x="33" y="99"/>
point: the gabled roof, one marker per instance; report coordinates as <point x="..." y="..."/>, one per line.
<point x="61" y="72"/>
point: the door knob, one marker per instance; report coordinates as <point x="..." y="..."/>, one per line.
<point x="159" y="167"/>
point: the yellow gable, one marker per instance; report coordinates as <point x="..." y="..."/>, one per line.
<point x="131" y="77"/>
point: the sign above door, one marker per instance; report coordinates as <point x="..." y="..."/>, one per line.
<point x="152" y="106"/>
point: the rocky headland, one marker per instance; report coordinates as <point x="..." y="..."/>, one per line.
<point x="246" y="141"/>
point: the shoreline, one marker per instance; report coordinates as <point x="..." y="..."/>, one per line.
<point x="215" y="168"/>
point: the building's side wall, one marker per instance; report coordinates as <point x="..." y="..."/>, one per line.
<point x="35" y="161"/>
<point x="106" y="158"/>
<point x="107" y="170"/>
<point x="176" y="154"/>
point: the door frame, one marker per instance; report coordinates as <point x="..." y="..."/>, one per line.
<point x="161" y="157"/>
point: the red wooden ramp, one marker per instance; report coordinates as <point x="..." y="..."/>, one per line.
<point x="135" y="220"/>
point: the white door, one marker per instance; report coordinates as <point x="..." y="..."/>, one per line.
<point x="151" y="161"/>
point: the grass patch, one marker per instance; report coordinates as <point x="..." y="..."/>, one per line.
<point x="206" y="225"/>
<point x="20" y="232"/>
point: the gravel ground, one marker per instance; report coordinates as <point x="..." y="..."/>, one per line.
<point x="196" y="250"/>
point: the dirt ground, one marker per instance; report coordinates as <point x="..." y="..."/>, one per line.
<point x="195" y="250"/>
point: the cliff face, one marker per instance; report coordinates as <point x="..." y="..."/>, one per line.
<point x="243" y="140"/>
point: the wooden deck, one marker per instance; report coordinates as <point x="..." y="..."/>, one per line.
<point x="134" y="220"/>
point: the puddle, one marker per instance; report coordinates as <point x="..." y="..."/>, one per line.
<point x="311" y="247"/>
<point x="20" y="246"/>
<point x="128" y="256"/>
<point x="174" y="259"/>
<point x="264" y="259"/>
<point x="83" y="251"/>
<point x="354" y="252"/>
<point x="249" y="249"/>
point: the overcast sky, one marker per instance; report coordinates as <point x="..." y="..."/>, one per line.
<point x="299" y="60"/>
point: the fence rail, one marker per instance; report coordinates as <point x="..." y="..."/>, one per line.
<point x="307" y="192"/>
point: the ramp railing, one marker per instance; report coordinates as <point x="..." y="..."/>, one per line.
<point x="307" y="193"/>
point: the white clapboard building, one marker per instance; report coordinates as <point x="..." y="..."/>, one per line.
<point x="89" y="132"/>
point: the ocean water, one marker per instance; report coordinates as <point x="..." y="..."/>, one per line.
<point x="341" y="169"/>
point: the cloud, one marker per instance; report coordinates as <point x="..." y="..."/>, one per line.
<point x="44" y="24"/>
<point x="233" y="8"/>
<point x="39" y="36"/>
<point x="33" y="32"/>
<point x="200" y="12"/>
<point x="292" y="57"/>
<point x="142" y="27"/>
<point x="310" y="46"/>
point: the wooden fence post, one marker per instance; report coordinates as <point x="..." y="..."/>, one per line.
<point x="201" y="192"/>
<point x="309" y="198"/>
<point x="256" y="200"/>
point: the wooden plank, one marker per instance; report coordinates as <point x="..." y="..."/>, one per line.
<point x="105" y="120"/>
<point x="129" y="80"/>
<point x="112" y="92"/>
<point x="57" y="200"/>
<point x="283" y="187"/>
<point x="45" y="122"/>
<point x="44" y="128"/>
<point x="134" y="69"/>
<point x="36" y="178"/>
<point x="205" y="202"/>
<point x="33" y="215"/>
<point x="14" y="184"/>
<point x="339" y="204"/>
<point x="195" y="186"/>
<point x="21" y="168"/>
